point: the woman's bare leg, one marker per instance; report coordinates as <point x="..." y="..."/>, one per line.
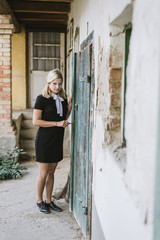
<point x="43" y="171"/>
<point x="50" y="181"/>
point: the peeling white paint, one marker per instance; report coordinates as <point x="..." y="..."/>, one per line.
<point x="124" y="200"/>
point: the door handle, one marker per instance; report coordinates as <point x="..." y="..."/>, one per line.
<point x="76" y="107"/>
<point x="85" y="210"/>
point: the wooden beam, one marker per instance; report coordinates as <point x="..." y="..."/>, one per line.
<point x="46" y="28"/>
<point x="66" y="1"/>
<point x="40" y="7"/>
<point x="44" y="21"/>
<point x="5" y="9"/>
<point x="38" y="16"/>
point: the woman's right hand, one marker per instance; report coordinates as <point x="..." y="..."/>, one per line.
<point x="63" y="124"/>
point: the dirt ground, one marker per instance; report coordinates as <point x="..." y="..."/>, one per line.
<point x="20" y="218"/>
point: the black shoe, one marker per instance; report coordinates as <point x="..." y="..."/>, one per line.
<point x="43" y="208"/>
<point x="53" y="206"/>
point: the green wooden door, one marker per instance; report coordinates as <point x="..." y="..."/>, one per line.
<point x="81" y="137"/>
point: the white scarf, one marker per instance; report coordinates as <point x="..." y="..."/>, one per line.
<point x="58" y="100"/>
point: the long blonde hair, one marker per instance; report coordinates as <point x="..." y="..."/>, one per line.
<point x="52" y="75"/>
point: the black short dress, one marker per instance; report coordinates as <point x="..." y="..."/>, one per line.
<point x="49" y="140"/>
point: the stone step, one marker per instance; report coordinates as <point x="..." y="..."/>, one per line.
<point x="29" y="133"/>
<point x="28" y="115"/>
<point x="27" y="124"/>
<point x="27" y="144"/>
<point x="30" y="152"/>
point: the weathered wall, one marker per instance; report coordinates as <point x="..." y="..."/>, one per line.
<point x="123" y="189"/>
<point x="142" y="105"/>
<point x="19" y="70"/>
<point x="7" y="133"/>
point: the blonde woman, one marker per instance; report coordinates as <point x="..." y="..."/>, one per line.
<point x="50" y="113"/>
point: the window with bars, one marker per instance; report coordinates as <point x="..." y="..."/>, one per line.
<point x="46" y="51"/>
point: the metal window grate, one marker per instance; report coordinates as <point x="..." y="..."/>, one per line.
<point x="46" y="51"/>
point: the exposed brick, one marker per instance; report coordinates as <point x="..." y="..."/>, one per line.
<point x="115" y="74"/>
<point x="6" y="63"/>
<point x="117" y="85"/>
<point x="5" y="67"/>
<point x="6" y="71"/>
<point x="5" y="84"/>
<point x="1" y="31"/>
<point x="8" y="31"/>
<point x="6" y="89"/>
<point x="6" y="80"/>
<point x="2" y="111"/>
<point x="5" y="16"/>
<point x="6" y="36"/>
<point x="5" y="59"/>
<point x="111" y="86"/>
<point x="7" y="106"/>
<point x="6" y="20"/>
<point x="8" y="26"/>
<point x="4" y="120"/>
<point x="5" y="49"/>
<point x="5" y="102"/>
<point x="114" y="85"/>
<point x="7" y="124"/>
<point x="114" y="123"/>
<point x="110" y="61"/>
<point x="3" y="40"/>
<point x="7" y="115"/>
<point x="6" y="45"/>
<point x="5" y="75"/>
<point x="115" y="111"/>
<point x="115" y="100"/>
<point x="4" y="94"/>
<point x="6" y="54"/>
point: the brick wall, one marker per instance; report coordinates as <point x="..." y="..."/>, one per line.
<point x="116" y="61"/>
<point x="115" y="97"/>
<point x="6" y="29"/>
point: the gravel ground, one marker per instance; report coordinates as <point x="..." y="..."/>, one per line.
<point x="20" y="218"/>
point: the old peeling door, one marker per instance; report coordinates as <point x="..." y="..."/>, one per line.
<point x="81" y="137"/>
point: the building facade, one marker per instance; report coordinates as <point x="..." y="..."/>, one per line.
<point x="110" y="56"/>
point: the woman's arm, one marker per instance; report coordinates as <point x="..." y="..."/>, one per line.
<point x="69" y="108"/>
<point x="37" y="121"/>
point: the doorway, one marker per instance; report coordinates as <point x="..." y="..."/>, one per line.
<point x="81" y="174"/>
<point x="46" y="52"/>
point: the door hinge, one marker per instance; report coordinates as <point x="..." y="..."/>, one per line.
<point x="86" y="79"/>
<point x="76" y="107"/>
<point x="85" y="212"/>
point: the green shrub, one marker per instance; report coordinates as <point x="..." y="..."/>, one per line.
<point x="9" y="168"/>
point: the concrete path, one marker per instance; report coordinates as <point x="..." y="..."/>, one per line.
<point x="20" y="218"/>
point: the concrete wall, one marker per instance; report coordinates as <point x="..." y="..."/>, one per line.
<point x="19" y="70"/>
<point x="123" y="186"/>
